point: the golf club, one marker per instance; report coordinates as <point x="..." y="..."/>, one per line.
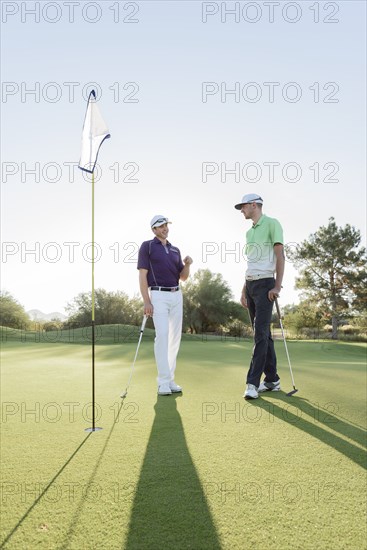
<point x="286" y="349"/>
<point x="124" y="394"/>
<point x="249" y="316"/>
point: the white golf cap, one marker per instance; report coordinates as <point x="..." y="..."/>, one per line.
<point x="251" y="197"/>
<point x="158" y="220"/>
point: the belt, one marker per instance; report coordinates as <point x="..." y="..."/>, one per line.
<point x="258" y="276"/>
<point x="165" y="288"/>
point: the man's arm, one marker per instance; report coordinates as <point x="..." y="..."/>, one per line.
<point x="143" y="282"/>
<point x="186" y="268"/>
<point x="279" y="270"/>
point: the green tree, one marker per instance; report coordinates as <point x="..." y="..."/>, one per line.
<point x="305" y="315"/>
<point x="359" y="302"/>
<point x="109" y="308"/>
<point x="332" y="268"/>
<point x="54" y="324"/>
<point x="12" y="313"/>
<point x="207" y="303"/>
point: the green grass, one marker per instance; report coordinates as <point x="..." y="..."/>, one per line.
<point x="204" y="470"/>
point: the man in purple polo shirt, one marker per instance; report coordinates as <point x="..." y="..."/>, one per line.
<point x="160" y="270"/>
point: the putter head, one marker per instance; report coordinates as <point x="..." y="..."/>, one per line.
<point x="123" y="395"/>
<point x="292" y="392"/>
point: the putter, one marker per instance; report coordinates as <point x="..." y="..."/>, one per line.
<point x="286" y="349"/>
<point x="124" y="394"/>
<point x="249" y="317"/>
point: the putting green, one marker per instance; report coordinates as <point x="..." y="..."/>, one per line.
<point x="202" y="470"/>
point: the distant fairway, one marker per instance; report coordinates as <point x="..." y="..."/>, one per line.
<point x="205" y="470"/>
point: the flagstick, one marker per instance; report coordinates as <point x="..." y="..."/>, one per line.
<point x="93" y="428"/>
<point x="94" y="133"/>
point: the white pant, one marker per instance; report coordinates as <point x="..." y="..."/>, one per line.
<point x="167" y="318"/>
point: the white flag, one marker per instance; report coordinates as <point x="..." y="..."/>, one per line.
<point x="94" y="133"/>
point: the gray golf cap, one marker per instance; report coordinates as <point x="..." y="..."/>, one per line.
<point x="250" y="197"/>
<point x="158" y="220"/>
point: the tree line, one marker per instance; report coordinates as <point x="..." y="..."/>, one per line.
<point x="332" y="278"/>
<point x="208" y="307"/>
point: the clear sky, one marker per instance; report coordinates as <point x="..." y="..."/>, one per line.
<point x="190" y="90"/>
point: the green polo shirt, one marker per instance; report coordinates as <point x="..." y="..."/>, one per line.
<point x="260" y="241"/>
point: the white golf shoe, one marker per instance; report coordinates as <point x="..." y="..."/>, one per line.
<point x="164" y="389"/>
<point x="269" y="386"/>
<point x="251" y="392"/>
<point x="175" y="388"/>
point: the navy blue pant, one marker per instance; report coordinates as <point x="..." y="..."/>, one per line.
<point x="263" y="358"/>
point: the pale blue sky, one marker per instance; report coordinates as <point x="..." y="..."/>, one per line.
<point x="170" y="132"/>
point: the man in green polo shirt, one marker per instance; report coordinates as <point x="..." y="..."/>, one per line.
<point x="264" y="275"/>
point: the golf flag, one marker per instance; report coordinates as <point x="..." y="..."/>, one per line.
<point x="95" y="131"/>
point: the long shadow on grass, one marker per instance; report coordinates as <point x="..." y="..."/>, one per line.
<point x="293" y="410"/>
<point x="328" y="415"/>
<point x="42" y="494"/>
<point x="169" y="509"/>
<point x="75" y="519"/>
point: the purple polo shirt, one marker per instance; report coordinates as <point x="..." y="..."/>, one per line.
<point x="164" y="263"/>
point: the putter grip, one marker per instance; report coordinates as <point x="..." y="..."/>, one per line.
<point x="277" y="306"/>
<point x="145" y="318"/>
